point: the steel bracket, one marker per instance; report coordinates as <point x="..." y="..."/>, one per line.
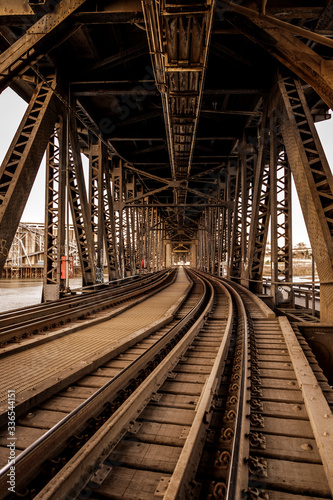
<point x="101" y="474"/>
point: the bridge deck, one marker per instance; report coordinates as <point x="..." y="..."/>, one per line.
<point x="34" y="369"/>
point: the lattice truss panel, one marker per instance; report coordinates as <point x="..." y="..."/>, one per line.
<point x="261" y="209"/>
<point x="283" y="236"/>
<point x="21" y="163"/>
<point x="178" y="36"/>
<point x="79" y="209"/>
<point x="313" y="155"/>
<point x="54" y="209"/>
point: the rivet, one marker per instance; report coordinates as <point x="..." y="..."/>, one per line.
<point x="325" y="434"/>
<point x="326" y="415"/>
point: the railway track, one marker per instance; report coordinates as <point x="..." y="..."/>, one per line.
<point x="222" y="403"/>
<point x="30" y="321"/>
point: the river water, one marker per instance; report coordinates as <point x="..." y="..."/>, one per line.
<point x="15" y="293"/>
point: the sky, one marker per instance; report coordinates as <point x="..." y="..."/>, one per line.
<point x="12" y="109"/>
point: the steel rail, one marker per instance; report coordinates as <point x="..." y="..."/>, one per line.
<point x="83" y="306"/>
<point x="28" y="462"/>
<point x="238" y="472"/>
<point x="186" y="466"/>
<point x="7" y="317"/>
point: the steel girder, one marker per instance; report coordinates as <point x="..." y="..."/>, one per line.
<point x="109" y="225"/>
<point x="131" y="242"/>
<point x="55" y="194"/>
<point x="97" y="160"/>
<point x="261" y="210"/>
<point x="278" y="38"/>
<point x="118" y="205"/>
<point x="79" y="208"/>
<point x="178" y="42"/>
<point x="21" y="163"/>
<point x="235" y="257"/>
<point x="314" y="184"/>
<point x="26" y="51"/>
<point x="243" y="196"/>
<point x="281" y="218"/>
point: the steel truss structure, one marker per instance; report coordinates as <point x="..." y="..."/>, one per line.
<point x="183" y="165"/>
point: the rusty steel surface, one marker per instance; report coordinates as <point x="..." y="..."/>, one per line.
<point x="194" y="423"/>
<point x="196" y="117"/>
<point x="153" y="339"/>
<point x="178" y="155"/>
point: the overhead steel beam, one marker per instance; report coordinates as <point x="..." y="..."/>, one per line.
<point x="277" y="37"/>
<point x="105" y="88"/>
<point x="266" y="21"/>
<point x="21" y="163"/>
<point x="147" y="174"/>
<point x="178" y="44"/>
<point x="326" y="17"/>
<point x="119" y="58"/>
<point x="295" y="12"/>
<point x="27" y="49"/>
<point x="227" y="204"/>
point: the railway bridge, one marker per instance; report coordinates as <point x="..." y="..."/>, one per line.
<point x="164" y="381"/>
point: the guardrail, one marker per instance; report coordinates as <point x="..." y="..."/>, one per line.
<point x="309" y="292"/>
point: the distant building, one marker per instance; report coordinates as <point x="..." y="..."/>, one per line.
<point x="26" y="255"/>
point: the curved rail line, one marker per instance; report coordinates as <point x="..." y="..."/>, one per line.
<point x="29" y="321"/>
<point x="147" y="352"/>
<point x="224" y="403"/>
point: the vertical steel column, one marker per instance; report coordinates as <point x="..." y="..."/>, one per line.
<point x="243" y="216"/>
<point x="273" y="206"/>
<point x="54" y="233"/>
<point x="21" y="163"/>
<point x="284" y="223"/>
<point x="146" y="233"/>
<point x="130" y="228"/>
<point x="232" y="174"/>
<point x="140" y="231"/>
<point x="261" y="210"/>
<point x="281" y="242"/>
<point x="79" y="208"/>
<point x="109" y="225"/>
<point x="97" y="160"/>
<point x="223" y="239"/>
<point x="118" y="199"/>
<point x="314" y="184"/>
<point x="235" y="255"/>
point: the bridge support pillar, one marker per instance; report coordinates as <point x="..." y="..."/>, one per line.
<point x="168" y="257"/>
<point x="54" y="281"/>
<point x="193" y="254"/>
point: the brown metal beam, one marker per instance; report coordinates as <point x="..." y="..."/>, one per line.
<point x="295" y="55"/>
<point x="265" y="21"/>
<point x="21" y="163"/>
<point x="28" y="49"/>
